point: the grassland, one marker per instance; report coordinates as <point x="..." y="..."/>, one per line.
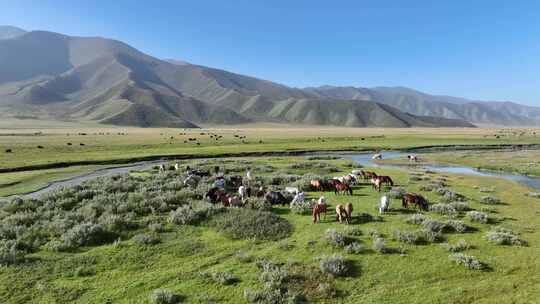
<point x="125" y="272"/>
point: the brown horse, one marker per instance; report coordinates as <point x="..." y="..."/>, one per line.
<point x="349" y="210"/>
<point x="317" y="185"/>
<point x="414" y="199"/>
<point x="318" y="209"/>
<point x="342" y="188"/>
<point x="367" y="175"/>
<point x="341" y="214"/>
<point x="386" y="180"/>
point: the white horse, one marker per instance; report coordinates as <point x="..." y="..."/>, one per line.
<point x="322" y="200"/>
<point x="242" y="192"/>
<point x="412" y="158"/>
<point x="161" y="168"/>
<point x="377" y="156"/>
<point x="176" y="167"/>
<point x="350" y="179"/>
<point x="384" y="205"/>
<point x="298" y="199"/>
<point x="292" y="190"/>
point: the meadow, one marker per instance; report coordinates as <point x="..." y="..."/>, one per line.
<point x="145" y="237"/>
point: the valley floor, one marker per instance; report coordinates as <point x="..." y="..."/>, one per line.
<point x="127" y="272"/>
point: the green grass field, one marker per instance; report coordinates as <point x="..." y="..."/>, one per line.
<point x="125" y="272"/>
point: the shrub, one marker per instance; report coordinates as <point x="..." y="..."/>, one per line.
<point x="85" y="234"/>
<point x="504" y="236"/>
<point x="156" y="227"/>
<point x="459" y="246"/>
<point x="457" y="226"/>
<point x="193" y="213"/>
<point x="426" y="188"/>
<point x="354" y="247"/>
<point x="374" y="233"/>
<point x="416" y="219"/>
<point x="469" y="262"/>
<point x="451" y="196"/>
<point x="430" y="236"/>
<point x="444" y="209"/>
<point x="379" y="245"/>
<point x="477" y="216"/>
<point x="252" y="224"/>
<point x="335" y="238"/>
<point x="271" y="296"/>
<point x="353" y="231"/>
<point x="396" y="193"/>
<point x="301" y="208"/>
<point x="408" y="237"/>
<point x="486" y="189"/>
<point x="243" y="256"/>
<point x="460" y="206"/>
<point x="333" y="265"/>
<point x="490" y="200"/>
<point x="146" y="239"/>
<point x="164" y="296"/>
<point x="259" y="204"/>
<point x="10" y="253"/>
<point x="327" y="291"/>
<point x="222" y="278"/>
<point x="433" y="225"/>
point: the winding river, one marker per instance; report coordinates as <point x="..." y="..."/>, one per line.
<point x="363" y="159"/>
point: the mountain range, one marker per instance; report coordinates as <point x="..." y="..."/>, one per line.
<point x="48" y="75"/>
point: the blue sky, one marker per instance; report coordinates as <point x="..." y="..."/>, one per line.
<point x="487" y="50"/>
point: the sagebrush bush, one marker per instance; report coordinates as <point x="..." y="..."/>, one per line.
<point x="433" y="225"/>
<point x="409" y="237"/>
<point x="457" y="226"/>
<point x="259" y="204"/>
<point x="490" y="200"/>
<point x="222" y="278"/>
<point x="416" y="219"/>
<point x="193" y="213"/>
<point x="156" y="227"/>
<point x="252" y="224"/>
<point x="146" y="239"/>
<point x="10" y="253"/>
<point x="354" y="247"/>
<point x="327" y="291"/>
<point x="468" y="261"/>
<point x="302" y="208"/>
<point x="477" y="216"/>
<point x="379" y="245"/>
<point x="352" y="231"/>
<point x="243" y="256"/>
<point x="460" y="206"/>
<point x="444" y="209"/>
<point x="164" y="296"/>
<point x="459" y="246"/>
<point x="335" y="238"/>
<point x="396" y="193"/>
<point x="334" y="265"/>
<point x="504" y="236"/>
<point x="451" y="196"/>
<point x="85" y="234"/>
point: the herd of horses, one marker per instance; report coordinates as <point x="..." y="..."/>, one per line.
<point x="218" y="194"/>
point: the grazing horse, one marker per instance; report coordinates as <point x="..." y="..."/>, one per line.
<point x="292" y="190"/>
<point x="236" y="180"/>
<point x="367" y="175"/>
<point x="377" y="156"/>
<point x="316" y="212"/>
<point x="385" y="204"/>
<point x="260" y="192"/>
<point x="317" y="184"/>
<point x="348" y="210"/>
<point x="412" y="158"/>
<point x="161" y="168"/>
<point x="343" y="189"/>
<point x="414" y="199"/>
<point x="235" y="201"/>
<point x="331" y="183"/>
<point x="213" y="194"/>
<point x="224" y="198"/>
<point x="275" y="198"/>
<point x="350" y="179"/>
<point x="376" y="184"/>
<point x="298" y="199"/>
<point x="386" y="180"/>
<point x="341" y="213"/>
<point x="192" y="181"/>
<point x="242" y="192"/>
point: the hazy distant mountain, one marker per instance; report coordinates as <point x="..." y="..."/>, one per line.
<point x="7" y="32"/>
<point x="95" y="79"/>
<point x="418" y="103"/>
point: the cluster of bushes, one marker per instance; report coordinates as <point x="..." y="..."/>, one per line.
<point x="164" y="296"/>
<point x="444" y="209"/>
<point x="248" y="224"/>
<point x="477" y="216"/>
<point x="422" y="236"/>
<point x="275" y="279"/>
<point x="470" y="262"/>
<point x="333" y="265"/>
<point x="193" y="213"/>
<point x="504" y="236"/>
<point x="459" y="246"/>
<point x="302" y="208"/>
<point x="315" y="165"/>
<point x="490" y="200"/>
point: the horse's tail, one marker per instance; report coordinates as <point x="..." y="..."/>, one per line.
<point x="391" y="181"/>
<point x="350" y="190"/>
